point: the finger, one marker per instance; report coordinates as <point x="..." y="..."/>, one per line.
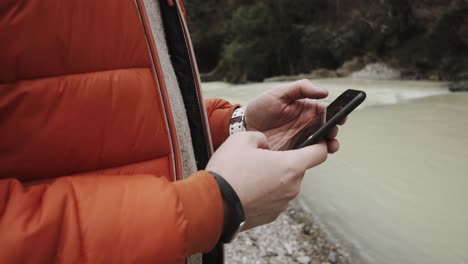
<point x="258" y="139"/>
<point x="333" y="133"/>
<point x="303" y="89"/>
<point x="333" y="146"/>
<point x="309" y="156"/>
<point x="343" y="121"/>
<point x="321" y="107"/>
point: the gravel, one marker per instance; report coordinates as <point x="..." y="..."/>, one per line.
<point x="292" y="238"/>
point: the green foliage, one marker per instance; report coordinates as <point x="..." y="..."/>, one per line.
<point x="254" y="48"/>
<point x="240" y="41"/>
<point x="207" y="24"/>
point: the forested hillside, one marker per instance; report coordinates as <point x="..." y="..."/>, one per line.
<point x="239" y="40"/>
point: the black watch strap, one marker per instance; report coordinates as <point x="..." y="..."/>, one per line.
<point x="234" y="217"/>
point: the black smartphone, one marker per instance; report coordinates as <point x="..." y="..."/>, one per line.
<point x="318" y="128"/>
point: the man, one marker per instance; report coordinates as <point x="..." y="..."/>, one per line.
<point x="105" y="145"/>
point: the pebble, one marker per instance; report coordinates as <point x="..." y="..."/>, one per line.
<point x="303" y="260"/>
<point x="289" y="249"/>
<point x="332" y="257"/>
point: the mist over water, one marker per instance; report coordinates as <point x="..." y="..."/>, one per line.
<point x="397" y="190"/>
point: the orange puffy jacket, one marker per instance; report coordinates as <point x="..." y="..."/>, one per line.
<point x="92" y="158"/>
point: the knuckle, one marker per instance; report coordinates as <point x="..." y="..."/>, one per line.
<point x="294" y="192"/>
<point x="322" y="158"/>
<point x="290" y="165"/>
<point x="324" y="155"/>
<point x="259" y="135"/>
<point x="293" y="175"/>
<point x="303" y="82"/>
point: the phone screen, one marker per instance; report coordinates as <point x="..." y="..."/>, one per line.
<point x="320" y="126"/>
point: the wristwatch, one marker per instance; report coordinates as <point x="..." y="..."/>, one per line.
<point x="233" y="211"/>
<point x="237" y="123"/>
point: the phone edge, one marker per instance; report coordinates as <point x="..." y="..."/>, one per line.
<point x="313" y="139"/>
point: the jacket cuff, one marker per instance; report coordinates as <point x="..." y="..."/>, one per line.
<point x="219" y="124"/>
<point x="203" y="209"/>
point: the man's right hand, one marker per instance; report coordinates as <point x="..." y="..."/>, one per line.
<point x="264" y="180"/>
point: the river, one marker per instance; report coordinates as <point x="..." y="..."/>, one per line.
<point x="397" y="191"/>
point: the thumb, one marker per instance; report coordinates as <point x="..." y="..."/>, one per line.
<point x="303" y="89"/>
<point x="257" y="139"/>
<point x="310" y="156"/>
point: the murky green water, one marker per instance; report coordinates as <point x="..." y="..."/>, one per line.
<point x="397" y="192"/>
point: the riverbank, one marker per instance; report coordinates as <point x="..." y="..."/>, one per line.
<point x="328" y="187"/>
<point x="292" y="238"/>
<point x="461" y="86"/>
<point x="366" y="68"/>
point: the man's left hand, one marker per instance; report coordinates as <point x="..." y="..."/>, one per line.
<point x="283" y="111"/>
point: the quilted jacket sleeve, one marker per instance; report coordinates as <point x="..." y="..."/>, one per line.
<point x="109" y="219"/>
<point x="219" y="115"/>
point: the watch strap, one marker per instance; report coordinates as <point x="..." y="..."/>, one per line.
<point x="237" y="123"/>
<point x="234" y="216"/>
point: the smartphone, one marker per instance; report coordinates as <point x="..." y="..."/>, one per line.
<point x="318" y="128"/>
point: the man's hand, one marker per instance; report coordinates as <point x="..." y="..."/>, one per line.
<point x="281" y="112"/>
<point x="264" y="180"/>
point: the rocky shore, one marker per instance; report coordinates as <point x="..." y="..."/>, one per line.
<point x="292" y="238"/>
<point x="370" y="68"/>
<point x="358" y="68"/>
<point x="461" y="86"/>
